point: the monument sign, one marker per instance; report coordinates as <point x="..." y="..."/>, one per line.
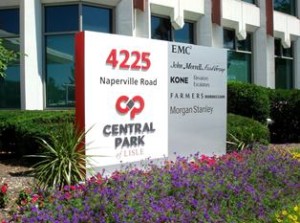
<point x="140" y="99"/>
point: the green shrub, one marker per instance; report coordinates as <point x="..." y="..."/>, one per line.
<point x="285" y="112"/>
<point x="61" y="160"/>
<point x="245" y="132"/>
<point x="19" y="129"/>
<point x="248" y="100"/>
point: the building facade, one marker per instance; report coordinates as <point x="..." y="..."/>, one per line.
<point x="262" y="38"/>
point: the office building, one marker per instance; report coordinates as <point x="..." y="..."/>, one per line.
<point x="262" y="38"/>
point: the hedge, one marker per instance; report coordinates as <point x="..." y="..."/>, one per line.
<point x="259" y="103"/>
<point x="285" y="113"/>
<point x="245" y="131"/>
<point x="248" y="100"/>
<point x="19" y="130"/>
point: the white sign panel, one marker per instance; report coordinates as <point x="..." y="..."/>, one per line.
<point x="125" y="99"/>
<point x="197" y="99"/>
<point x="138" y="98"/>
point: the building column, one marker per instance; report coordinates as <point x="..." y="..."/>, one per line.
<point x="124" y="18"/>
<point x="263" y="59"/>
<point x="296" y="51"/>
<point x="263" y="52"/>
<point x="204" y="26"/>
<point x="142" y="21"/>
<point x="217" y="29"/>
<point x="217" y="37"/>
<point x="297" y="63"/>
<point x="270" y="62"/>
<point x="31" y="55"/>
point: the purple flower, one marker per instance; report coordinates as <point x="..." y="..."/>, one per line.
<point x="238" y="187"/>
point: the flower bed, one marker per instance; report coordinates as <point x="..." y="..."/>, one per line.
<point x="250" y="186"/>
<point x="3" y="195"/>
<point x="289" y="215"/>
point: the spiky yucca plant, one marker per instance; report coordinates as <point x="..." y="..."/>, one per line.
<point x="62" y="160"/>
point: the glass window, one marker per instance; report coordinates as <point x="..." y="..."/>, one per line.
<point x="278" y="48"/>
<point x="97" y="19"/>
<point x="10" y="85"/>
<point x="284" y="65"/>
<point x="239" y="66"/>
<point x="239" y="57"/>
<point x="244" y="45"/>
<point x="249" y="1"/>
<point x="186" y="34"/>
<point x="285" y="6"/>
<point x="229" y="39"/>
<point x="282" y="52"/>
<point x="9" y="22"/>
<point x="61" y="18"/>
<point x="232" y="43"/>
<point x="60" y="70"/>
<point x="161" y="29"/>
<point x="283" y="73"/>
<point x="61" y="24"/>
<point x="287" y="52"/>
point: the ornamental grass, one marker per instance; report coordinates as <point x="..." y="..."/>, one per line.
<point x="249" y="186"/>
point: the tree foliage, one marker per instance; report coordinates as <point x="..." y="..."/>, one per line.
<point x="6" y="56"/>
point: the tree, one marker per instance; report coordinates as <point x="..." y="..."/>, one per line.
<point x="6" y="56"/>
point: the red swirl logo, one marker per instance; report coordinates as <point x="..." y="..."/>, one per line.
<point x="134" y="105"/>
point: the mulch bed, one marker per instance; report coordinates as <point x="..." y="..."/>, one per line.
<point x="16" y="173"/>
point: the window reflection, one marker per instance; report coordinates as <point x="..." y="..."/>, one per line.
<point x="277" y="47"/>
<point x="249" y="1"/>
<point x="284" y="73"/>
<point x="239" y="66"/>
<point x="61" y="18"/>
<point x="229" y="39"/>
<point x="186" y="34"/>
<point x="9" y="33"/>
<point x="61" y="24"/>
<point x="161" y="29"/>
<point x="10" y="86"/>
<point x="245" y="45"/>
<point x="231" y="42"/>
<point x="97" y="19"/>
<point x="239" y="56"/>
<point x="285" y="6"/>
<point x="60" y="70"/>
<point x="287" y="52"/>
<point x="284" y="64"/>
<point x="9" y="22"/>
